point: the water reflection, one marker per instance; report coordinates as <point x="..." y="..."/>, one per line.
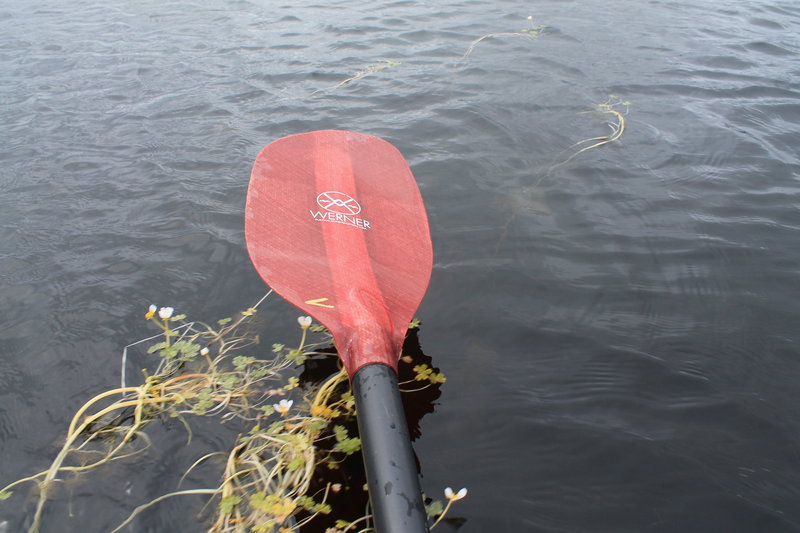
<point x="418" y="400"/>
<point x="623" y="360"/>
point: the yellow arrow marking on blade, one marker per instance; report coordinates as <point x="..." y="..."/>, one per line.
<point x="318" y="302"/>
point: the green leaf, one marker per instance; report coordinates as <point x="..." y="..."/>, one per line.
<point x="266" y="527"/>
<point x="435" y="508"/>
<point x="293" y="383"/>
<point x="414" y="323"/>
<point x="157" y="346"/>
<point x="349" y="446"/>
<point x="349" y="400"/>
<point x="344" y="443"/>
<point x="5" y="494"/>
<point x="260" y="372"/>
<point x="423" y="372"/>
<point x="204" y="401"/>
<point x="241" y="362"/>
<point x="229" y="381"/>
<point x="227" y="503"/>
<point x="296" y="463"/>
<point x="322" y="508"/>
<point x="317" y="425"/>
<point x="437" y="378"/>
<point x="186" y="350"/>
<point x="170" y="352"/>
<point x="296" y="356"/>
<point x="260" y="501"/>
<point x="277" y="348"/>
<point x="340" y="432"/>
<point x="305" y="502"/>
<point x="223" y="321"/>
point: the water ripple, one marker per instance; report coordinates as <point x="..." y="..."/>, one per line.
<point x="619" y="338"/>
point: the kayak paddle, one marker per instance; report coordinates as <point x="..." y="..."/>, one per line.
<point x="335" y="224"/>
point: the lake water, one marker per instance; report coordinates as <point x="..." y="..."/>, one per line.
<point x="619" y="333"/>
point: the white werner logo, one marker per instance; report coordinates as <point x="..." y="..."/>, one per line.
<point x="340" y="208"/>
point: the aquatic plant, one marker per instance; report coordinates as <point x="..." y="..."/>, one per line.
<point x="370" y="69"/>
<point x="270" y="478"/>
<point x="531" y="32"/>
<point x="616" y="122"/>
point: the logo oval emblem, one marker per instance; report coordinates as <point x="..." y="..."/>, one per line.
<point x="338" y="202"/>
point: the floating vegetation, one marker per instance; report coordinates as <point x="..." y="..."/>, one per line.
<point x="271" y="478"/>
<point x="616" y="122"/>
<point x="531" y="32"/>
<point x="371" y="69"/>
<point x="530" y="199"/>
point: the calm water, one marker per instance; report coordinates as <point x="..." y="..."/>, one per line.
<point x="620" y="337"/>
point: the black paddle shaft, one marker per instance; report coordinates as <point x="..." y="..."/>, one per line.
<point x="394" y="488"/>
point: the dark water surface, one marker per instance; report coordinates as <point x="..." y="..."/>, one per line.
<point x="620" y="337"/>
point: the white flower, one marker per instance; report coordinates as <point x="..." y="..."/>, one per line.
<point x="448" y="493"/>
<point x="283" y="406"/>
<point x="204" y="351"/>
<point x="165" y="312"/>
<point x="304" y="321"/>
<point x="153" y="308"/>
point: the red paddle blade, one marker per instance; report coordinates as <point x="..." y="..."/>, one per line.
<point x="335" y="224"/>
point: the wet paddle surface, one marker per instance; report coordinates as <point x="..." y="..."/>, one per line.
<point x="618" y="332"/>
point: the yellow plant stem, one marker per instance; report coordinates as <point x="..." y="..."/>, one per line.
<point x="489" y="36"/>
<point x="444" y="512"/>
<point x="268" y="473"/>
<point x="352" y="524"/>
<point x="617" y="129"/>
<point x="414" y="390"/>
<point x="75" y="432"/>
<point x="324" y="393"/>
<point x="371" y="69"/>
<point x="531" y="32"/>
<point x="94" y="400"/>
<point x="160" y="499"/>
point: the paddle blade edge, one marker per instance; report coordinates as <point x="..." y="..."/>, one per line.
<point x="335" y="224"/>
